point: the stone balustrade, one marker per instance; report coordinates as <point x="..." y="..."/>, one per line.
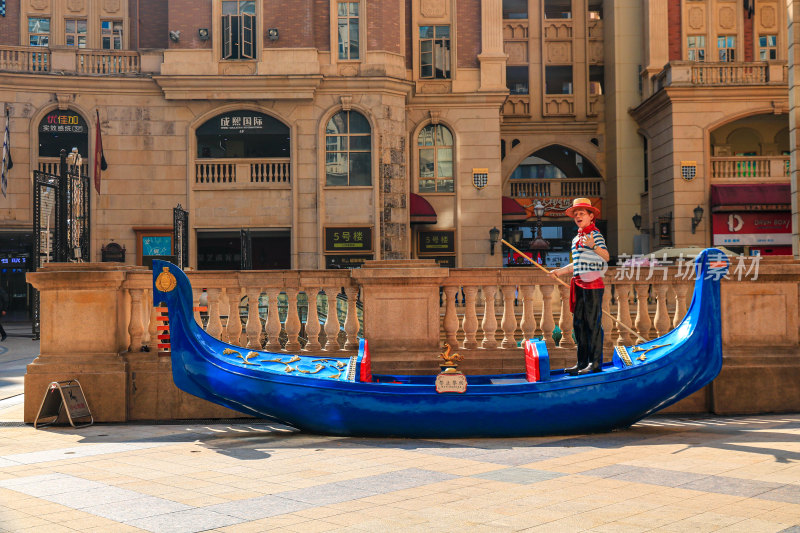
<point x="81" y="61"/>
<point x="228" y="174"/>
<point x="99" y="325"/>
<point x="749" y="168"/>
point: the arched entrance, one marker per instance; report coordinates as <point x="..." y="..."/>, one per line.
<point x="548" y="179"/>
<point x="62" y="129"/>
<point x="242" y="160"/>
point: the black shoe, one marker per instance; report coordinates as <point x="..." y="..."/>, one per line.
<point x="3" y="337"/>
<point x="591" y="368"/>
<point x="573" y="370"/>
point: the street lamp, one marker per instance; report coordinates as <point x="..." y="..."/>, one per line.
<point x="637" y="221"/>
<point x="494" y="237"/>
<point x="698" y="216"/>
<point x="538" y="242"/>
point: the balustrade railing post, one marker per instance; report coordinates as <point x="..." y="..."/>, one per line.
<point x="681" y="290"/>
<point x="643" y="321"/>
<point x="528" y="324"/>
<point x="489" y="323"/>
<point x="312" y="322"/>
<point x="253" y="326"/>
<point x="196" y="293"/>
<point x="214" y="327"/>
<point x="547" y="324"/>
<point x="608" y="324"/>
<point x="470" y="325"/>
<point x="662" y="314"/>
<point x="136" y="326"/>
<point x="623" y="313"/>
<point x="234" y="326"/>
<point x="509" y="323"/>
<point x="450" y="316"/>
<point x="351" y="321"/>
<point x="331" y="320"/>
<point x="565" y="321"/>
<point x="273" y="325"/>
<point x="292" y="322"/>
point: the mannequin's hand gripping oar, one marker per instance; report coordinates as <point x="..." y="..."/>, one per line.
<point x="564" y="283"/>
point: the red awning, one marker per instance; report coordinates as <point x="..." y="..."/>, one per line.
<point x="512" y="211"/>
<point x="751" y="194"/>
<point x="422" y="211"/>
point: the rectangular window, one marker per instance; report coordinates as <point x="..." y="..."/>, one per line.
<point x="39" y="31"/>
<point x="768" y="47"/>
<point x="726" y="45"/>
<point x="111" y="34"/>
<point x="75" y="32"/>
<point x="238" y="29"/>
<point x="558" y="80"/>
<point x="696" y="47"/>
<point x="434" y="52"/>
<point x="348" y="30"/>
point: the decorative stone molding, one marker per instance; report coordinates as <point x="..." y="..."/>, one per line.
<point x="696" y="18"/>
<point x="559" y="52"/>
<point x="433" y="8"/>
<point x="347" y="103"/>
<point x="727" y="18"/>
<point x="75" y="5"/>
<point x="435" y="116"/>
<point x="39" y="4"/>
<point x="433" y="87"/>
<point x="767" y="16"/>
<point x="111" y="6"/>
<point x="64" y="100"/>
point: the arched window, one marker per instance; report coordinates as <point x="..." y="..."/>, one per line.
<point x="435" y="151"/>
<point x="348" y="150"/>
<point x="242" y="134"/>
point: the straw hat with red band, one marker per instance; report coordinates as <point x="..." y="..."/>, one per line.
<point x="583" y="203"/>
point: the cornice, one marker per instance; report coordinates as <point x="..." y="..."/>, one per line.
<point x="50" y="83"/>
<point x="290" y="87"/>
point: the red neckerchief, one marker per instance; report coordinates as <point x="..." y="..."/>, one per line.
<point x="582" y="233"/>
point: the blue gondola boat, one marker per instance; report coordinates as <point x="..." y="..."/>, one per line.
<point x="340" y="396"/>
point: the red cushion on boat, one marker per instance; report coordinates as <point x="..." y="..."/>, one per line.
<point x="364" y="363"/>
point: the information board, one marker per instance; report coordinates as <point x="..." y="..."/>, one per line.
<point x="436" y="242"/>
<point x="345" y="261"/>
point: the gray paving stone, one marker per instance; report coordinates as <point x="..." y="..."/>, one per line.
<point x="522" y="476"/>
<point x="747" y="488"/>
<point x="93" y="497"/>
<point x="258" y="508"/>
<point x="661" y="477"/>
<point x="188" y="521"/>
<point x="786" y="493"/>
<point x="392" y="481"/>
<point x="326" y="494"/>
<point x="132" y="509"/>
<point x="18" y="481"/>
<point x="608" y="471"/>
<point x="793" y="529"/>
<point x="46" y="486"/>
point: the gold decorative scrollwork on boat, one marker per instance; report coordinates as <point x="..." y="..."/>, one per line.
<point x="165" y="282"/>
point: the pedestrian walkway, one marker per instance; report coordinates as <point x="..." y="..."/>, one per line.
<point x="663" y="474"/>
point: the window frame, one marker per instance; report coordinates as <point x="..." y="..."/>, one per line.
<point x="772" y="50"/>
<point x="728" y="50"/>
<point x="433" y="40"/>
<point x="349" y="135"/>
<point x="247" y="33"/>
<point x="111" y="35"/>
<point x="436" y="178"/>
<point x="696" y="49"/>
<point x="349" y="18"/>
<point x="76" y="35"/>
<point x="40" y="34"/>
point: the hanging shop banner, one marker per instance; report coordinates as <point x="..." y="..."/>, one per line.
<point x="554" y="206"/>
<point x="752" y="229"/>
<point x="436" y="242"/>
<point x="354" y="239"/>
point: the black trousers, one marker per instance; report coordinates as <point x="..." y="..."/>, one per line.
<point x="587" y="321"/>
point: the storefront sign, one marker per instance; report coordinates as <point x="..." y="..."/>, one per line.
<point x="436" y="242"/>
<point x="752" y="229"/>
<point x="444" y="261"/>
<point x="62" y="121"/>
<point x="554" y="206"/>
<point x="335" y="262"/>
<point x="14" y="261"/>
<point x="240" y="121"/>
<point x="348" y="239"/>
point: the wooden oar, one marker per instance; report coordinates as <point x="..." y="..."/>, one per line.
<point x="564" y="283"/>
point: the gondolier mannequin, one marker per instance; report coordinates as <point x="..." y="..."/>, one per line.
<point x="589" y="262"/>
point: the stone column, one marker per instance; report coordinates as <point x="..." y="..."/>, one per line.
<point x="492" y="57"/>
<point x="401" y="313"/>
<point x="793" y="15"/>
<point x="84" y="325"/>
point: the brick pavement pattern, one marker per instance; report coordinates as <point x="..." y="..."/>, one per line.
<point x="663" y="474"/>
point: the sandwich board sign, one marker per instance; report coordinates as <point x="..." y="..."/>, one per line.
<point x="64" y="397"/>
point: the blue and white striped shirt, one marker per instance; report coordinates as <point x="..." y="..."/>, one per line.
<point x="585" y="262"/>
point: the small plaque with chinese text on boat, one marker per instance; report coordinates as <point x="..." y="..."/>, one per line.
<point x="451" y="382"/>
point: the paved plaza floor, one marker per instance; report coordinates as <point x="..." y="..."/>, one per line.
<point x="665" y="473"/>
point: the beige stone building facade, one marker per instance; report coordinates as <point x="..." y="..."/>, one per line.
<point x="335" y="132"/>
